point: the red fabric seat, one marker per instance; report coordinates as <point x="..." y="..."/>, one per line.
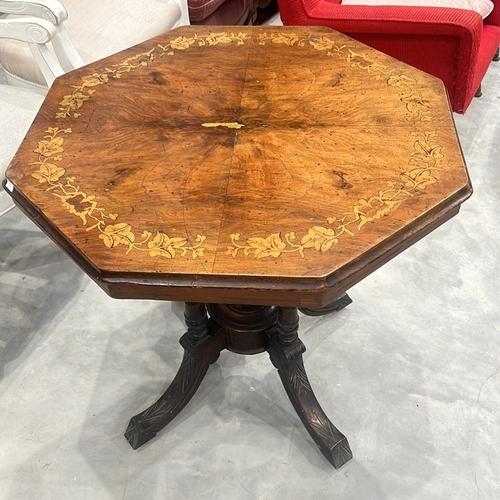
<point x="454" y="45"/>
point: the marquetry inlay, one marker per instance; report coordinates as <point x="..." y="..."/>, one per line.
<point x="421" y="171"/>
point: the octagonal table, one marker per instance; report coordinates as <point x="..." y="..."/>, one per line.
<point x="249" y="172"/>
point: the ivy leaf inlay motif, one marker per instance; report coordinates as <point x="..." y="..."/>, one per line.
<point x="420" y="175"/>
<point x="117" y="234"/>
<point x="86" y="206"/>
<point x="422" y="163"/>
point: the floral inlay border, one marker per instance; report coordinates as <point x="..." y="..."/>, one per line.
<point x="415" y="104"/>
<point x="419" y="173"/>
<point x="84" y="206"/>
<point x="422" y="163"/>
<point x="71" y="103"/>
<point x="87" y="209"/>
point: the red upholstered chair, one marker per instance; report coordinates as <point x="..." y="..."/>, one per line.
<point x="455" y="45"/>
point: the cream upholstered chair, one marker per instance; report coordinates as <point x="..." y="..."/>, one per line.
<point x="98" y="28"/>
<point x="32" y="31"/>
<point x="18" y="107"/>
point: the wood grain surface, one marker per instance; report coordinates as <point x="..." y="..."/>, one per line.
<point x="266" y="165"/>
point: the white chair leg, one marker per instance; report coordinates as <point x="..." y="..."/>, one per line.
<point x="65" y="50"/>
<point x="48" y="64"/>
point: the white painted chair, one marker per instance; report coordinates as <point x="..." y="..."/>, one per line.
<point x="98" y="28"/>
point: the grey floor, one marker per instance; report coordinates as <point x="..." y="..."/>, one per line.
<point x="410" y="372"/>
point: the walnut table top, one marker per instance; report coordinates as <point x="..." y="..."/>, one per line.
<point x="250" y="165"/>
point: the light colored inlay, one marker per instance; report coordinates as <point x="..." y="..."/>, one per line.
<point x="226" y="124"/>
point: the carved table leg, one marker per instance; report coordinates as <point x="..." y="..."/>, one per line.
<point x="285" y="350"/>
<point x="339" y="303"/>
<point x="246" y="330"/>
<point x="202" y="344"/>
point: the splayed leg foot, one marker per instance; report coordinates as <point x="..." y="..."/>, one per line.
<point x="285" y="350"/>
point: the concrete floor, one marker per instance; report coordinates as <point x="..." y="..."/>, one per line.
<point x="410" y="373"/>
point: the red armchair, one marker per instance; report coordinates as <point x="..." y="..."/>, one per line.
<point x="455" y="45"/>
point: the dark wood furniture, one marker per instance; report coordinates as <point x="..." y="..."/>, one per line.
<point x="248" y="172"/>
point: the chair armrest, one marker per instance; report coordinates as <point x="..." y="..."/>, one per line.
<point x="36" y="33"/>
<point x="27" y="29"/>
<point x="49" y="10"/>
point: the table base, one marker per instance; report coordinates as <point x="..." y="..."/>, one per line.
<point x="244" y="330"/>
